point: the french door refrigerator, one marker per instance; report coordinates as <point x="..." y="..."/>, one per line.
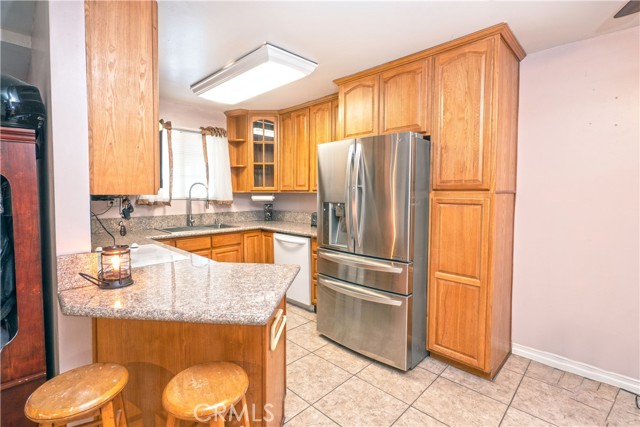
<point x="373" y="208"/>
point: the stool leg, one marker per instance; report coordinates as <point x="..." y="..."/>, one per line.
<point x="217" y="421"/>
<point x="171" y="421"/>
<point x="245" y="412"/>
<point x="107" y="414"/>
<point x="121" y="415"/>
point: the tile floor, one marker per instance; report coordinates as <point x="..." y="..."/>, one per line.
<point x="329" y="385"/>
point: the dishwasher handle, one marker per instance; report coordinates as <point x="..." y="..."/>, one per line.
<point x="290" y="240"/>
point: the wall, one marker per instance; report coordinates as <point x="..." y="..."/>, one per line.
<point x="70" y="151"/>
<point x="576" y="289"/>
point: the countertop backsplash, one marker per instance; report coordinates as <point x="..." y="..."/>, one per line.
<point x="157" y="222"/>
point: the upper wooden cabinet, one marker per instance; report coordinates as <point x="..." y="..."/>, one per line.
<point x="405" y="96"/>
<point x="264" y="152"/>
<point x="237" y="131"/>
<point x="358" y="107"/>
<point x="122" y="83"/>
<point x="320" y="131"/>
<point x="294" y="151"/>
<point x="475" y="117"/>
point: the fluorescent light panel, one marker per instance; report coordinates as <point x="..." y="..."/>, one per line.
<point x="260" y="71"/>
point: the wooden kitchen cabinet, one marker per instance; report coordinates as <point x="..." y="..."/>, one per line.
<point x="294" y="151"/>
<point x="267" y="247"/>
<point x="192" y="244"/>
<point x="470" y="276"/>
<point x="227" y="247"/>
<point x="237" y="130"/>
<point x="475" y="117"/>
<point x="358" y="111"/>
<point x="405" y="97"/>
<point x="252" y="247"/>
<point x="321" y="128"/>
<point x="264" y="152"/>
<point x="122" y="89"/>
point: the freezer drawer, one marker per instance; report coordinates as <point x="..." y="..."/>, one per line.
<point x="370" y="322"/>
<point x="374" y="273"/>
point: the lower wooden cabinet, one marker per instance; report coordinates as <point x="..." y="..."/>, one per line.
<point x="470" y="275"/>
<point x="267" y="247"/>
<point x="227" y="247"/>
<point x="252" y="247"/>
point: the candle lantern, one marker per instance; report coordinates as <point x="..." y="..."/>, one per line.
<point x="115" y="262"/>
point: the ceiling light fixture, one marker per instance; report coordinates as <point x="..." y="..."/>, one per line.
<point x="260" y="71"/>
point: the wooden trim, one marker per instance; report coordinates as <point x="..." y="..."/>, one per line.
<point x="18" y="135"/>
<point x="309" y="103"/>
<point x="23" y="380"/>
<point x="501" y="29"/>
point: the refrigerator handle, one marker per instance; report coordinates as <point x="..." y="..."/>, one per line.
<point x="354" y="206"/>
<point x="348" y="199"/>
<point x="358" y="292"/>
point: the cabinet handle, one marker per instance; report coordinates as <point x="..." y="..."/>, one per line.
<point x="275" y="331"/>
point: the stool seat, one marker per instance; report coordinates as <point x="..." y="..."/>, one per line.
<point x="206" y="390"/>
<point x="76" y="393"/>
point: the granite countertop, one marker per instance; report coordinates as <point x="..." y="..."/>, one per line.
<point x="150" y="235"/>
<point x="194" y="290"/>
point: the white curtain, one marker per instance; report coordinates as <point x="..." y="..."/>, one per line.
<point x="215" y="146"/>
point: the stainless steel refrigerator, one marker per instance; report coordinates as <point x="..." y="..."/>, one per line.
<point x="373" y="209"/>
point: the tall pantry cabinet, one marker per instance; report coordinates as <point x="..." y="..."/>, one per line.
<point x="473" y="178"/>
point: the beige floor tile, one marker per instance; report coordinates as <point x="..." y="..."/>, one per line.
<point x="432" y="365"/>
<point x="515" y="418"/>
<point x="620" y="417"/>
<point x="293" y="405"/>
<point x="543" y="373"/>
<point x="294" y="352"/>
<point x="294" y="320"/>
<point x="346" y="359"/>
<point x="312" y="377"/>
<point x="555" y="405"/>
<point x="358" y="403"/>
<point x="627" y="402"/>
<point x="456" y="405"/>
<point x="608" y="392"/>
<point x="595" y="399"/>
<point x="307" y="337"/>
<point x="309" y="315"/>
<point x="517" y="364"/>
<point x="311" y="417"/>
<point x="570" y="381"/>
<point x="406" y="386"/>
<point x="414" y="418"/>
<point x="502" y="388"/>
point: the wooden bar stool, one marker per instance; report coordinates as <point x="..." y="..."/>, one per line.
<point x="206" y="393"/>
<point x="86" y="392"/>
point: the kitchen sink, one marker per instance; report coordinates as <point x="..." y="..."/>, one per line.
<point x="197" y="228"/>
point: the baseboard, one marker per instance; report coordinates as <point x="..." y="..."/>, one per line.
<point x="627" y="383"/>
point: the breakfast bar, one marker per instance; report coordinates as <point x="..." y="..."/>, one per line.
<point x="184" y="311"/>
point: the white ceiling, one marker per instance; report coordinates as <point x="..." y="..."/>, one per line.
<point x="198" y="38"/>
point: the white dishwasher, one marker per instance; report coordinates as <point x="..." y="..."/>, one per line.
<point x="295" y="250"/>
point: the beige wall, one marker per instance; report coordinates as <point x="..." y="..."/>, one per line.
<point x="576" y="288"/>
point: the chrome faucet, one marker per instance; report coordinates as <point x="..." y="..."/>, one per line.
<point x="190" y="219"/>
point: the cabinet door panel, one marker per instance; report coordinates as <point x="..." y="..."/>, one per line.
<point x="294" y="151"/>
<point x="461" y="143"/>
<point x="267" y="247"/>
<point x="458" y="276"/>
<point x="359" y="107"/>
<point x="252" y="247"/>
<point x="405" y="97"/>
<point x="122" y="90"/>
<point x="232" y="253"/>
<point x="320" y="131"/>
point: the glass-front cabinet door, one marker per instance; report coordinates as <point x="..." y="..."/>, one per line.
<point x="264" y="153"/>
